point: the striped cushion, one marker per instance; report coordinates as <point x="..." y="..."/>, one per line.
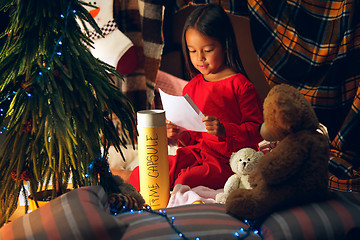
<point x="83" y="214"/>
<point x="79" y="214"/>
<point x="337" y="218"/>
<point x="205" y="221"/>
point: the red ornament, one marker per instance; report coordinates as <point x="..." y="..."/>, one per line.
<point x="26" y="84"/>
<point x="14" y="175"/>
<point x="27" y="127"/>
<point x="24" y="176"/>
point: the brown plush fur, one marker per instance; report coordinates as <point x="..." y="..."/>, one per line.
<point x="296" y="171"/>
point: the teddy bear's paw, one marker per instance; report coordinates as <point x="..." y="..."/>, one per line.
<point x="221" y="198"/>
<point x="241" y="208"/>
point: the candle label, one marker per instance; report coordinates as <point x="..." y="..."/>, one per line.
<point x="154" y="166"/>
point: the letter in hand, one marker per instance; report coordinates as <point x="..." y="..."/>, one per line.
<point x="214" y="126"/>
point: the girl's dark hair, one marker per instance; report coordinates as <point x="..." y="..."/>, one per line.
<point x="212" y="21"/>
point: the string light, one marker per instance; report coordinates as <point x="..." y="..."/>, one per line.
<point x="55" y="52"/>
<point x="59" y="41"/>
<point x="241" y="234"/>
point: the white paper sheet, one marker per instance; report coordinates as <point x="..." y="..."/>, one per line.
<point x="182" y="111"/>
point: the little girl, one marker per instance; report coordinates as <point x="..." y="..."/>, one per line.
<point x="229" y="101"/>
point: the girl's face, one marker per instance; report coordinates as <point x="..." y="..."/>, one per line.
<point x="206" y="54"/>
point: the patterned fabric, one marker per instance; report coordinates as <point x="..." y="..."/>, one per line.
<point x="237" y="7"/>
<point x="314" y="46"/>
<point x="84" y="214"/>
<point x="80" y="214"/>
<point x="141" y="22"/>
<point x="337" y="218"/>
<point x="205" y="221"/>
<point x="106" y="29"/>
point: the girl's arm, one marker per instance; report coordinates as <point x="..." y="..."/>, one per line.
<point x="247" y="132"/>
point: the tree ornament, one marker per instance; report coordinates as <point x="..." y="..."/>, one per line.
<point x="24" y="176"/>
<point x="27" y="127"/>
<point x="112" y="46"/>
<point x="99" y="166"/>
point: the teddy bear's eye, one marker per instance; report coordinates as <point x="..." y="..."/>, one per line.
<point x="249" y="159"/>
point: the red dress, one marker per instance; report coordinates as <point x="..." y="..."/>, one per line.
<point x="204" y="160"/>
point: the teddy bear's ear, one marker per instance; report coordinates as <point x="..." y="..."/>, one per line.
<point x="287" y="111"/>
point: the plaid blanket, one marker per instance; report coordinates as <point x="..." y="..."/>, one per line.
<point x="141" y="22"/>
<point x="313" y="45"/>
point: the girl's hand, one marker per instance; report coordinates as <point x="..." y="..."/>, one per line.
<point x="214" y="126"/>
<point x="173" y="131"/>
<point x="176" y="132"/>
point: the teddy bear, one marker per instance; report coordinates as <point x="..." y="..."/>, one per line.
<point x="242" y="163"/>
<point x="295" y="172"/>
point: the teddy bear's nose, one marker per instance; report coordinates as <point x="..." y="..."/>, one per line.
<point x="244" y="163"/>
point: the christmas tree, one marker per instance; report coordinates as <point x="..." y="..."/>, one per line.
<point x="57" y="103"/>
